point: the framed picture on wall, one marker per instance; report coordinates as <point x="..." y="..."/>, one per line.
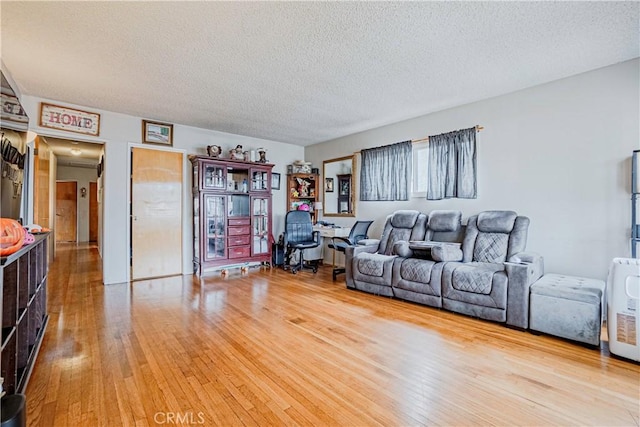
<point x="275" y="181"/>
<point x="157" y="133"/>
<point x="328" y="185"/>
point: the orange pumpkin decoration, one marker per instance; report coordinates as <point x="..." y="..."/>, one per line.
<point x="11" y="236"/>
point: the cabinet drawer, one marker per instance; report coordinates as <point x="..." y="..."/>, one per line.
<point x="239" y="240"/>
<point x="239" y="252"/>
<point x="239" y="231"/>
<point x="239" y="221"/>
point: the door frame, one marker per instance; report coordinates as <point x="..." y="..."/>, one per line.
<point x="186" y="193"/>
<point x="29" y="216"/>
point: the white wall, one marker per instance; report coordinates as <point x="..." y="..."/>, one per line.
<point x="118" y="132"/>
<point x="83" y="176"/>
<point x="558" y="153"/>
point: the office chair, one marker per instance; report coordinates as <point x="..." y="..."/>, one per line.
<point x="299" y="234"/>
<point x="358" y="232"/>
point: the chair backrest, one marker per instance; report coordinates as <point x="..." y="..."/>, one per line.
<point x="297" y="227"/>
<point x="494" y="236"/>
<point x="359" y="231"/>
<point x="402" y="225"/>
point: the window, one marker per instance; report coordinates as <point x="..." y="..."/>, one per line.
<point x="420" y="169"/>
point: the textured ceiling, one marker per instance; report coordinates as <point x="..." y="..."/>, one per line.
<point x="303" y="72"/>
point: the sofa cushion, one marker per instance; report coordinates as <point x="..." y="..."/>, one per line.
<point x="372" y="264"/>
<point x="396" y="235"/>
<point x="474" y="279"/>
<point x="496" y="221"/>
<point x="491" y="247"/>
<point x="404" y="218"/>
<point x="570" y="288"/>
<point x="442" y="220"/>
<point x="456" y="290"/>
<point x="416" y="270"/>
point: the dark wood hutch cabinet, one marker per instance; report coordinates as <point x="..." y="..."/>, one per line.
<point x="231" y="212"/>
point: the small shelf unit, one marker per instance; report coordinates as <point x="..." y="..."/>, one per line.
<point x="23" y="284"/>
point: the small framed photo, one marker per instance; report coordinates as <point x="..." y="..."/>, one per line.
<point x="275" y="181"/>
<point x="157" y="133"/>
<point x="328" y="185"/>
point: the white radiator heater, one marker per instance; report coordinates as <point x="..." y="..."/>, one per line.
<point x="623" y="308"/>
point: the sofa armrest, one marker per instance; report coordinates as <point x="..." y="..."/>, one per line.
<point x="401" y="248"/>
<point x="444" y="252"/>
<point x="349" y="253"/>
<point x="523" y="269"/>
<point x="369" y="242"/>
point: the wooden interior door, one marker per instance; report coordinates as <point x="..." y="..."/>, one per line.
<point x="93" y="211"/>
<point x="66" y="211"/>
<point x="156" y="213"/>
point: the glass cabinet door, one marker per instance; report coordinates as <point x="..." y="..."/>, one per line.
<point x="259" y="180"/>
<point x="260" y="226"/>
<point x="215" y="226"/>
<point x="214" y="176"/>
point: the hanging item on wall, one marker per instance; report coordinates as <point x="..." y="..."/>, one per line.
<point x="157" y="133"/>
<point x="69" y="119"/>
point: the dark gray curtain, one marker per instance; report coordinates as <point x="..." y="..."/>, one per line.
<point x="452" y="165"/>
<point x="385" y="172"/>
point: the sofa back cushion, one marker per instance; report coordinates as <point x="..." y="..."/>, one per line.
<point x="494" y="236"/>
<point x="402" y="225"/>
<point x="445" y="226"/>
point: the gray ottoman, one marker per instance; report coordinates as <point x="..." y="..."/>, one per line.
<point x="568" y="307"/>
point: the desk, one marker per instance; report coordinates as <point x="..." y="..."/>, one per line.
<point x="326" y="233"/>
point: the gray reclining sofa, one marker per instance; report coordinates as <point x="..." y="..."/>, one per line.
<point x="480" y="270"/>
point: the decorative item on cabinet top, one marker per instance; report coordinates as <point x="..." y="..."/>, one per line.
<point x="258" y="155"/>
<point x="214" y="151"/>
<point x="299" y="166"/>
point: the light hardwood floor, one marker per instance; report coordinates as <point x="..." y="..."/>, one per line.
<point x="272" y="348"/>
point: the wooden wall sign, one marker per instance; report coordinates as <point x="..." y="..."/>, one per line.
<point x="69" y="119"/>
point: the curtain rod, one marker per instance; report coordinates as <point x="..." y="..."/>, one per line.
<point x="426" y="138"/>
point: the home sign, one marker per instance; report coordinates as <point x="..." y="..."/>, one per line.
<point x="69" y="119"/>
